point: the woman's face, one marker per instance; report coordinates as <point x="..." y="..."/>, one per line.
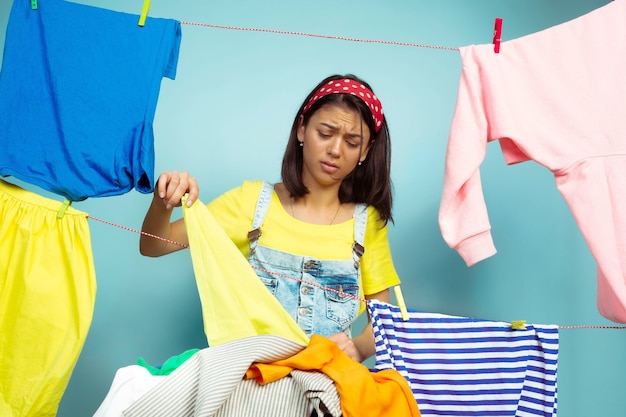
<point x="334" y="141"/>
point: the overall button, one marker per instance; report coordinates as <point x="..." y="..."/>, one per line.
<point x="306" y="290"/>
<point x="310" y="264"/>
<point x="303" y="311"/>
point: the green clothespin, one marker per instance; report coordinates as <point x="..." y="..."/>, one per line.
<point x="33" y="4"/>
<point x="63" y="208"/>
<point x="144" y="13"/>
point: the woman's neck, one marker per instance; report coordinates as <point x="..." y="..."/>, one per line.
<point x="319" y="206"/>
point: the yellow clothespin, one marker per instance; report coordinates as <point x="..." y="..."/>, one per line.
<point x="144" y="12"/>
<point x="400" y="299"/>
<point x="33" y="4"/>
<point x="63" y="208"/>
<point x="518" y="325"/>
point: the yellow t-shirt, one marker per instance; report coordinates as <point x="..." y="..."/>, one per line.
<point x="234" y="211"/>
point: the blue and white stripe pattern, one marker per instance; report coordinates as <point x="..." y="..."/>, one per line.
<point x="458" y="366"/>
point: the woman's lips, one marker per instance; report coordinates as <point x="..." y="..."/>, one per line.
<point x="329" y="167"/>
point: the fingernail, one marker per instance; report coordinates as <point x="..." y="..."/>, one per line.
<point x="168" y="206"/>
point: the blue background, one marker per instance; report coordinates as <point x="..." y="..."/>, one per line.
<point x="227" y="117"/>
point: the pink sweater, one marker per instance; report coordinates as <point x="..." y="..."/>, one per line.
<point x="557" y="97"/>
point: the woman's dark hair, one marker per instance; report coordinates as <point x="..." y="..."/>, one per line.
<point x="370" y="182"/>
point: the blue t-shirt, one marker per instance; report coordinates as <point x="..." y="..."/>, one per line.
<point x="78" y="93"/>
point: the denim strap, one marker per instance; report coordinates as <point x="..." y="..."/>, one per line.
<point x="262" y="205"/>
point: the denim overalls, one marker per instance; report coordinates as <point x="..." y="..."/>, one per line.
<point x="321" y="295"/>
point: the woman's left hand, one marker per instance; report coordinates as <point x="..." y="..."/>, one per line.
<point x="346" y="345"/>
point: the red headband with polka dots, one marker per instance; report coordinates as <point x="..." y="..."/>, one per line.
<point x="348" y="86"/>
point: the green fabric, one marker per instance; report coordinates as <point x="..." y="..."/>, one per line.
<point x="170" y="365"/>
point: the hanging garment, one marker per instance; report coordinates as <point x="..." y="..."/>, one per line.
<point x="235" y="303"/>
<point x="459" y="366"/>
<point x="362" y="393"/>
<point x="322" y="296"/>
<point x="78" y="91"/>
<point x="47" y="295"/>
<point x="210" y="384"/>
<point x="556" y="97"/>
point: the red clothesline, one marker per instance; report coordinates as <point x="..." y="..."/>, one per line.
<point x="314" y="35"/>
<point x="310" y="283"/>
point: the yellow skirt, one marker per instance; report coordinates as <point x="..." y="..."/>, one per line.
<point x="47" y="296"/>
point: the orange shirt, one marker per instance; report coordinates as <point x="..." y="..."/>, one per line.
<point x="362" y="393"/>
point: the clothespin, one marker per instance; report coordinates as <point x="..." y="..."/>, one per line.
<point x="497" y="35"/>
<point x="144" y="13"/>
<point x="33" y="4"/>
<point x="400" y="299"/>
<point x="63" y="209"/>
<point x="518" y="325"/>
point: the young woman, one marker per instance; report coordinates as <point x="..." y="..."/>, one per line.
<point x="318" y="240"/>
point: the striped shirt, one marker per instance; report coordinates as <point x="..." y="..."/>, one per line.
<point x="458" y="366"/>
<point x="210" y="384"/>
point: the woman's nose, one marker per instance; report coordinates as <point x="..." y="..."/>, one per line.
<point x="334" y="147"/>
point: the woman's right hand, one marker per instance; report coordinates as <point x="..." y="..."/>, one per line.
<point x="172" y="185"/>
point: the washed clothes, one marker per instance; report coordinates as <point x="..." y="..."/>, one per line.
<point x="235" y="304"/>
<point x="78" y="94"/>
<point x="461" y="366"/>
<point x="210" y="384"/>
<point x="557" y="97"/>
<point x="47" y="297"/>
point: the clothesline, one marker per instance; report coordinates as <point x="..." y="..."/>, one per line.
<point x="315" y="35"/>
<point x="308" y="283"/>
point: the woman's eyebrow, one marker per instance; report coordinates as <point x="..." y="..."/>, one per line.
<point x="333" y="127"/>
<point x="328" y="125"/>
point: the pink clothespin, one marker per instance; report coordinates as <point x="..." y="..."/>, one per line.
<point x="497" y="35"/>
